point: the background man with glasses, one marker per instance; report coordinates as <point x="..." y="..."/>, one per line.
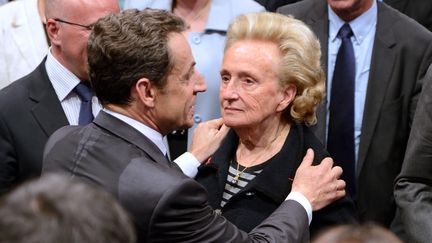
<point x="33" y="107"/>
<point x="88" y="27"/>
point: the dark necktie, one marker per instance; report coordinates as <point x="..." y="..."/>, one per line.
<point x="340" y="142"/>
<point x="84" y="92"/>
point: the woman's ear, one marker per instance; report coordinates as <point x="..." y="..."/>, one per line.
<point x="289" y="93"/>
<point x="144" y="91"/>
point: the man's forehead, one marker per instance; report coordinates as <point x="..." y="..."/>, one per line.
<point x="181" y="52"/>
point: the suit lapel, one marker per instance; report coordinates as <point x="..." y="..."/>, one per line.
<point x="318" y="21"/>
<point x="221" y="158"/>
<point x="131" y="135"/>
<point x="275" y="181"/>
<point x="381" y="68"/>
<point x="46" y="108"/>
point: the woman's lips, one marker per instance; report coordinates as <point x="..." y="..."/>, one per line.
<point x="229" y="108"/>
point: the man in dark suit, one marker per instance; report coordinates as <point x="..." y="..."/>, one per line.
<point x="413" y="189"/>
<point x="33" y="107"/>
<point x="146" y="95"/>
<point x="392" y="53"/>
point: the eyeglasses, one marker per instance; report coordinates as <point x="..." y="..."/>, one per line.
<point x="88" y="27"/>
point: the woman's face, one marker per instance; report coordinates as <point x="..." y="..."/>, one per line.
<point x="250" y="92"/>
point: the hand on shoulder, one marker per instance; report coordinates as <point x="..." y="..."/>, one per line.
<point x="320" y="184"/>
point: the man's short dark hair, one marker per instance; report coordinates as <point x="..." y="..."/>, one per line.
<point x="126" y="47"/>
<point x="55" y="209"/>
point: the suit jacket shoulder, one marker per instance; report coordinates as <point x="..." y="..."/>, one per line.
<point x="33" y="96"/>
<point x="391" y="18"/>
<point x="417" y="9"/>
<point x="414" y="183"/>
<point x="418" y="160"/>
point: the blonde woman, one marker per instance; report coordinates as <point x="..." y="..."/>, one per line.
<point x="271" y="84"/>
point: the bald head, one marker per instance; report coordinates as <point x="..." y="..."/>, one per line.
<point x="68" y="29"/>
<point x="69" y="8"/>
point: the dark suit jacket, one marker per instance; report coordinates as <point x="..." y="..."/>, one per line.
<point x="166" y="205"/>
<point x="420" y="10"/>
<point x="402" y="52"/>
<point x="413" y="190"/>
<point x="29" y="113"/>
<point x="272" y="5"/>
<point x="251" y="205"/>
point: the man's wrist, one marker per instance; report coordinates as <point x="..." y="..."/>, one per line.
<point x="300" y="198"/>
<point x="188" y="164"/>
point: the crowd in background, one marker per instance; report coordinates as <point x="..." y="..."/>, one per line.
<point x="199" y="117"/>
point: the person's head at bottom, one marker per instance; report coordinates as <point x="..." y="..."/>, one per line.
<point x="56" y="209"/>
<point x="367" y="233"/>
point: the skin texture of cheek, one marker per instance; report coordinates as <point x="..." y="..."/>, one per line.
<point x="255" y="110"/>
<point x="187" y="103"/>
<point x="188" y="117"/>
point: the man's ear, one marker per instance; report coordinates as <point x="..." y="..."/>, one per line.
<point x="145" y="91"/>
<point x="288" y="96"/>
<point x="52" y="29"/>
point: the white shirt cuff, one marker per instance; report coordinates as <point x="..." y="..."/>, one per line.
<point x="298" y="197"/>
<point x="188" y="164"/>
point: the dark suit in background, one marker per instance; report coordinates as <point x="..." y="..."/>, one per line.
<point x="272" y="5"/>
<point x="29" y="113"/>
<point x="420" y="10"/>
<point x="30" y="110"/>
<point x="166" y="205"/>
<point x="402" y="52"/>
<point x="413" y="190"/>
